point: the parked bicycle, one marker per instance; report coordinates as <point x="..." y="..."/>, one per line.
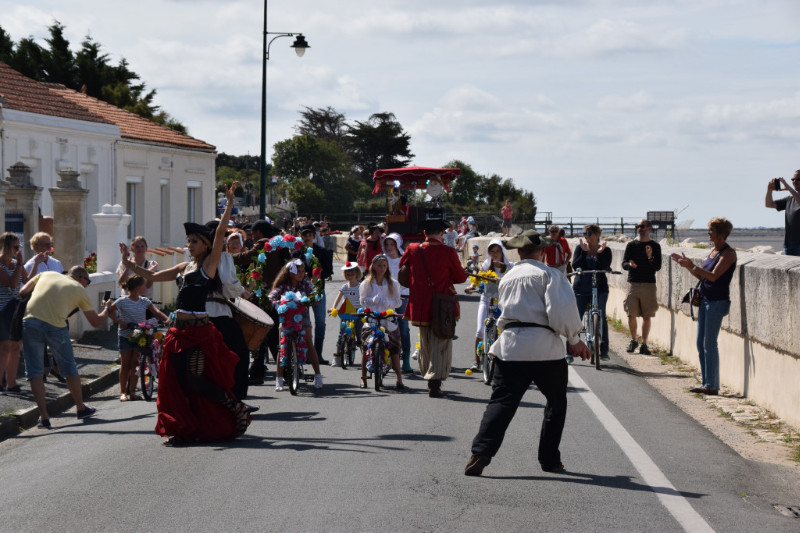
<point x="592" y="318"/>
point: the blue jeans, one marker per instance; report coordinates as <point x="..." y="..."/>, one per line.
<point x="405" y="333"/>
<point x="709" y="322"/>
<point x="36" y="335"/>
<point x="320" y="313"/>
<point x="791" y="249"/>
<point x="584" y="301"/>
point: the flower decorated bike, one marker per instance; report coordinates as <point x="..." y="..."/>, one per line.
<point x="348" y="337"/>
<point x="486" y="282"/>
<point x="147" y="338"/>
<point x="293" y="343"/>
<point x="376" y="345"/>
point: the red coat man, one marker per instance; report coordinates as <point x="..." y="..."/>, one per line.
<point x="444" y="269"/>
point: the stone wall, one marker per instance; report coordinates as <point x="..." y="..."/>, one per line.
<point x="759" y="345"/>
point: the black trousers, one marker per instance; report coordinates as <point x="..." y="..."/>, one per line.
<point x="511" y="380"/>
<point x="234" y="340"/>
<point x="258" y="368"/>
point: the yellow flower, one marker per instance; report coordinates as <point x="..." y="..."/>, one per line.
<point x="142" y="342"/>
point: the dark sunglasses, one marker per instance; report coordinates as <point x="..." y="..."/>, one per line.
<point x="639" y="226"/>
<point x="587" y="233"/>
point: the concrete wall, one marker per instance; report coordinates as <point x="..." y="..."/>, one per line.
<point x="759" y="345"/>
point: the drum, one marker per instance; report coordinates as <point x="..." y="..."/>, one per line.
<point x="253" y="321"/>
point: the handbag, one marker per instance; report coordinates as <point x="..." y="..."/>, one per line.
<point x="15" y="333"/>
<point x="693" y="298"/>
<point x="443" y="308"/>
<point x="404" y="276"/>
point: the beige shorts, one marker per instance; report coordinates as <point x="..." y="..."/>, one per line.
<point x="641" y="300"/>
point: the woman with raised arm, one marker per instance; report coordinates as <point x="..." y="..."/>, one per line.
<point x="195" y="402"/>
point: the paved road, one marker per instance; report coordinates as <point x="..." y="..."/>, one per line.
<point x="349" y="459"/>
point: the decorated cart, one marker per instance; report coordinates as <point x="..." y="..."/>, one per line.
<point x="407" y="219"/>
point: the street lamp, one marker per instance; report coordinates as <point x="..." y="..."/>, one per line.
<point x="299" y="46"/>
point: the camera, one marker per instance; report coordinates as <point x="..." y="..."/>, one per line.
<point x="776" y="182"/>
<point x="106" y="295"/>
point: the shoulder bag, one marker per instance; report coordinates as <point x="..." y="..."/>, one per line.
<point x="443" y="308"/>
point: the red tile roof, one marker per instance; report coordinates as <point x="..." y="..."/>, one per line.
<point x="130" y="124"/>
<point x="24" y="94"/>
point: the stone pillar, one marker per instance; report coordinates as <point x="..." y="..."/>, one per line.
<point x="69" y="215"/>
<point x="112" y="228"/>
<point x="22" y="196"/>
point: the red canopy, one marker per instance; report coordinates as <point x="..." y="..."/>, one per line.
<point x="413" y="177"/>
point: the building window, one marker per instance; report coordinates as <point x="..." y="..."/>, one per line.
<point x="134" y="205"/>
<point x="165" y="236"/>
<point x="194" y="201"/>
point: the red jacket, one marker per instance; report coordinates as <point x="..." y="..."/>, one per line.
<point x="444" y="269"/>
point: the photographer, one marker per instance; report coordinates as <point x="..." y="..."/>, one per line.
<point x="790" y="204"/>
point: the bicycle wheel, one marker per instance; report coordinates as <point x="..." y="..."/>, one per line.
<point x="341" y="350"/>
<point x="146" y="374"/>
<point x="597" y="339"/>
<point x="377" y="364"/>
<point x="351" y="350"/>
<point x="487" y="361"/>
<point x="293" y="368"/>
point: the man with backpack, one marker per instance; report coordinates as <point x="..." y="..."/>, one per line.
<point x="557" y="254"/>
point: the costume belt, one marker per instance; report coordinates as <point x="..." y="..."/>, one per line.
<point x="526" y="325"/>
<point x="183" y="323"/>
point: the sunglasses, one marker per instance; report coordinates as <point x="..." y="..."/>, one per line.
<point x="640" y="226"/>
<point x="588" y="233"/>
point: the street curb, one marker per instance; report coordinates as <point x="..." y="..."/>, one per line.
<point x="22" y="419"/>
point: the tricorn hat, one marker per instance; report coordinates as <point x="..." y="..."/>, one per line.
<point x="528" y="239"/>
<point x="205" y="232"/>
<point x="435" y="224"/>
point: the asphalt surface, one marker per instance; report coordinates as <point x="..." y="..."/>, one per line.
<point x="349" y="459"/>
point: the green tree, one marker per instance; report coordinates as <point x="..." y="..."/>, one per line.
<point x="324" y="123"/>
<point x="306" y="196"/>
<point x="59" y="61"/>
<point x="306" y="156"/>
<point x="380" y="142"/>
<point x="465" y="187"/>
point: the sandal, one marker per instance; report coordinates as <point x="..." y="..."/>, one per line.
<point x="134" y="397"/>
<point x="123" y="397"/>
<point x="363" y="383"/>
<point x="243" y="418"/>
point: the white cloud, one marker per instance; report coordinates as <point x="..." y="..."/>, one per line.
<point x="636" y="101"/>
<point x="607" y="36"/>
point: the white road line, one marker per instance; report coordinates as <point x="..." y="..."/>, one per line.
<point x="670" y="498"/>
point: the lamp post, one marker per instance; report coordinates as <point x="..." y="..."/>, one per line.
<point x="299" y="46"/>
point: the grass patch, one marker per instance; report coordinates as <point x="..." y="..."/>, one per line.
<point x="795" y="455"/>
<point x="700" y="245"/>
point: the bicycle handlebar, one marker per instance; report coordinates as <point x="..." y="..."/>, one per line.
<point x="578" y="272"/>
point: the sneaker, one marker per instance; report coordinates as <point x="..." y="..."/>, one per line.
<point x="323" y="361"/>
<point x="605" y="357"/>
<point x="318" y="381"/>
<point x="86" y="412"/>
<point x="644" y="350"/>
<point x="16" y="389"/>
<point x="632" y="346"/>
<point x="475" y="367"/>
<point x="279" y="385"/>
<point x="43" y="423"/>
<point x="569" y="359"/>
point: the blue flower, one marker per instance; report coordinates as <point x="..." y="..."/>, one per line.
<point x="262" y="257"/>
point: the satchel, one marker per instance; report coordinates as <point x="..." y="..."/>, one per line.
<point x="444" y="315"/>
<point x="443" y="308"/>
<point x="15" y="333"/>
<point x="693" y="298"/>
<point x="404" y="276"/>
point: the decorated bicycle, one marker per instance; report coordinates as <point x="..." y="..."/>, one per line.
<point x="147" y="338"/>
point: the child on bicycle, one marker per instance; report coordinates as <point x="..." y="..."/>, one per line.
<point x="347" y="302"/>
<point x="379" y="292"/>
<point x="498" y="263"/>
<point x="130" y="311"/>
<point x="292" y="278"/>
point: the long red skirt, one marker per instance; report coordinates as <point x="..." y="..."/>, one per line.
<point x="193" y="416"/>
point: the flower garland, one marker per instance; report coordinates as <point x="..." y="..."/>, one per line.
<point x="252" y="277"/>
<point x="290" y="310"/>
<point x="478" y="282"/>
<point x="90" y="263"/>
<point x="316" y="272"/>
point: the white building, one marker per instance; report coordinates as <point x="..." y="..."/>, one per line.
<point x="161" y="177"/>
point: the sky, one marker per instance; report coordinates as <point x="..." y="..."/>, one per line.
<point x="601" y="108"/>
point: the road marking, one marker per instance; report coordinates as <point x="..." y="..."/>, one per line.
<point x="670" y="498"/>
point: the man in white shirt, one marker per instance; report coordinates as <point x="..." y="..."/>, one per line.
<point x="538" y="308"/>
